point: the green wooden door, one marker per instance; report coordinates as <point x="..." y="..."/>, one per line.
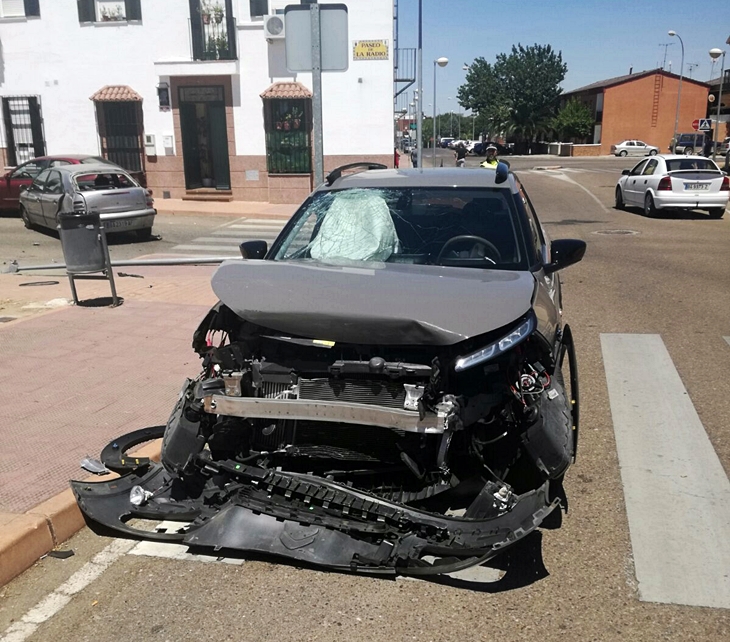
<point x="219" y="145"/>
<point x="191" y="147"/>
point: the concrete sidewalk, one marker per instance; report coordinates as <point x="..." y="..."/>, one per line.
<point x="75" y="378"/>
<point x="179" y="207"/>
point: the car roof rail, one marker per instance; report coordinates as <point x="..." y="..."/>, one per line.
<point x="336" y="173"/>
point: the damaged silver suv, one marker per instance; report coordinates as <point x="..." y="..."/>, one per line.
<point x="382" y="391"/>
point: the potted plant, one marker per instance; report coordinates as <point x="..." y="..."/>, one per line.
<point x="218" y="13"/>
<point x="296" y="115"/>
<point x="222" y="46"/>
<point x="205" y="12"/>
<point x="211" y="48"/>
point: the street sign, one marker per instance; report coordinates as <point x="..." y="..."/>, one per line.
<point x="696" y="124"/>
<point x="413" y="126"/>
<point x="298" y="41"/>
<point x="705" y="125"/>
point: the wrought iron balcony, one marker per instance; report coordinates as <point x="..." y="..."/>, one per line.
<point x="213" y="30"/>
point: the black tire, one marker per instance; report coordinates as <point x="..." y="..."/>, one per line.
<point x="623" y="152"/>
<point x="688" y="151"/>
<point x="717" y="212"/>
<point x="620" y="205"/>
<point x="652" y="152"/>
<point x="650" y="210"/>
<point x="26" y="220"/>
<point x="145" y="234"/>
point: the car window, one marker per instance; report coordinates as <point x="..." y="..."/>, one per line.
<point x="27" y="170"/>
<point x="408" y="225"/>
<point x="638" y="169"/>
<point x="40" y="180"/>
<point x="53" y="184"/>
<point x="650" y="167"/>
<point x="691" y="163"/>
<point x="94" y="160"/>
<point x="103" y="181"/>
<point x="59" y="162"/>
<point x="536" y="237"/>
<point x="640" y="144"/>
<point x="631" y="143"/>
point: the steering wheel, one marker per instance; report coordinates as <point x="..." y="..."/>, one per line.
<point x="476" y="241"/>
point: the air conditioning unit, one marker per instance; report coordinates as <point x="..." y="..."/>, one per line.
<point x="274" y="27"/>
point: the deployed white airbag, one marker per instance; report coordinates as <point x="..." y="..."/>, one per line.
<point x="357" y="227"/>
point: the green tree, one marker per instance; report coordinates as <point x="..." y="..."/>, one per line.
<point x="518" y="93"/>
<point x="574" y="120"/>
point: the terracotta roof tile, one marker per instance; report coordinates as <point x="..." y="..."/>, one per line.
<point x="116" y="93"/>
<point x="287" y="90"/>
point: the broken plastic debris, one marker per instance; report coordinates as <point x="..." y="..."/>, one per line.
<point x="94" y="466"/>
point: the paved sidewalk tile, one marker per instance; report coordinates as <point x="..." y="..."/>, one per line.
<point x="75" y="379"/>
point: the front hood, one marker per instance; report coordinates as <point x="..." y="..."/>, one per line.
<point x="374" y="303"/>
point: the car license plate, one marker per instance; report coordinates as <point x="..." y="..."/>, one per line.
<point x="696" y="187"/>
<point x="121" y="222"/>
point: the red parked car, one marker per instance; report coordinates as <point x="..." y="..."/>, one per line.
<point x="24" y="174"/>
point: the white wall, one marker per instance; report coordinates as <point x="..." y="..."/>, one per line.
<point x="65" y="62"/>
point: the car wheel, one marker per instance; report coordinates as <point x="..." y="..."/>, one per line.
<point x="649" y="209"/>
<point x="717" y="212"/>
<point x="688" y="151"/>
<point x="26" y="220"/>
<point x="623" y="152"/>
<point x="145" y="234"/>
<point x="620" y="205"/>
<point x="652" y="152"/>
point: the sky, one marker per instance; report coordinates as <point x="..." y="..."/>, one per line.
<point x="599" y="39"/>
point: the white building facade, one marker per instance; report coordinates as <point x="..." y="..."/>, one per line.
<point x="192" y="95"/>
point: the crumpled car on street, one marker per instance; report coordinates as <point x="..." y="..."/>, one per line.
<point x="389" y="388"/>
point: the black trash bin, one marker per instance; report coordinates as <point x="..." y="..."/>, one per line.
<point x="85" y="251"/>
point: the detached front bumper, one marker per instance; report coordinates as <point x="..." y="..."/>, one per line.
<point x="313" y="520"/>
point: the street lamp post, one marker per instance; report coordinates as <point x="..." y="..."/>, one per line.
<point x="419" y="61"/>
<point x="715" y="54"/>
<point x="441" y="62"/>
<point x="679" y="91"/>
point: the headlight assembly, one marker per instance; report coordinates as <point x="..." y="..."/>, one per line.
<point x="507" y="342"/>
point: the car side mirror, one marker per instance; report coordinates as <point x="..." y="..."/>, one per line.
<point x="565" y="252"/>
<point x="253" y="249"/>
<point x="23" y="188"/>
<point x="626" y="172"/>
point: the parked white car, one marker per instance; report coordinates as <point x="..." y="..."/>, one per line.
<point x="670" y="181"/>
<point x="634" y="148"/>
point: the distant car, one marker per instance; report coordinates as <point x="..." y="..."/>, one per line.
<point x="123" y="205"/>
<point x="23" y="175"/>
<point x="633" y="148"/>
<point x="444" y="142"/>
<point x="689" y="144"/>
<point x="480" y="149"/>
<point x="669" y="181"/>
<point x="724" y="147"/>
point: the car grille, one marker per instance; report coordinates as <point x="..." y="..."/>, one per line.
<point x="367" y="391"/>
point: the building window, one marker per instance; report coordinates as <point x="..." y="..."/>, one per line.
<point x="120" y="131"/>
<point x="19" y="8"/>
<point x="213" y="30"/>
<point x="258" y="8"/>
<point x="109" y="10"/>
<point x="288" y="129"/>
<point x="23" y="128"/>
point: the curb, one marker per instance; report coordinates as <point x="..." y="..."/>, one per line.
<point x="26" y="537"/>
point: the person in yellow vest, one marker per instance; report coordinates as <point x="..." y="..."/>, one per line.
<point x="491" y="159"/>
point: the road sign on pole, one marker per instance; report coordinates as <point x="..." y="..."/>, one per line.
<point x="316" y="41"/>
<point x="705" y="125"/>
<point x="696" y="124"/>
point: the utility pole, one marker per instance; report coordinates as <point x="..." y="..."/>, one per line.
<point x="692" y="66"/>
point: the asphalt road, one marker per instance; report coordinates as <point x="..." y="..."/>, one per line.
<point x="666" y="276"/>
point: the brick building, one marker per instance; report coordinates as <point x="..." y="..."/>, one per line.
<point x="643" y="106"/>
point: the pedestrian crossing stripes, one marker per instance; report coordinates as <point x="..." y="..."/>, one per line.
<point x="226" y="239"/>
<point x="676" y="490"/>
